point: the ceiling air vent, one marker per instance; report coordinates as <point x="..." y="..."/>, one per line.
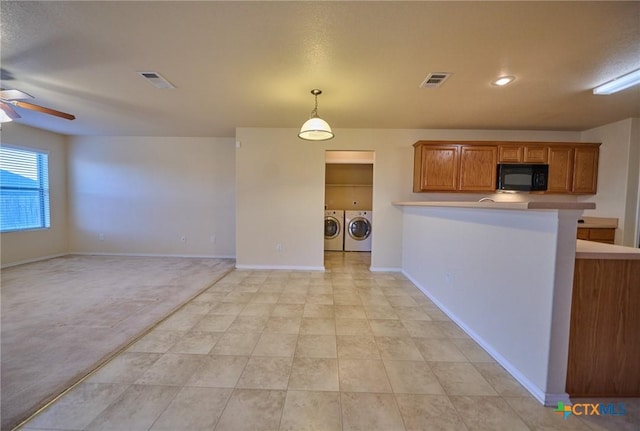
<point x="434" y="79"/>
<point x="155" y="79"/>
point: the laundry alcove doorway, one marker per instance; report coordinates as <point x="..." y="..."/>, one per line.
<point x="348" y="188"/>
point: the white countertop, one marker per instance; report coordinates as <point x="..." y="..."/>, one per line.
<point x="504" y="205"/>
<point x="598" y="250"/>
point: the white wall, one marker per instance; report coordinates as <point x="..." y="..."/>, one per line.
<point x="280" y="190"/>
<point x="618" y="176"/>
<point x="144" y="193"/>
<point x="36" y="244"/>
<point x="632" y="214"/>
<point x="506" y="278"/>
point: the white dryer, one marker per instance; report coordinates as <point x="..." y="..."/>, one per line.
<point x="334" y="230"/>
<point x="358" y="230"/>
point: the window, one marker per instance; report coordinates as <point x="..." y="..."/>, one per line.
<point x="24" y="190"/>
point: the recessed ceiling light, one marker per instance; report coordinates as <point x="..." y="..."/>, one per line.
<point x="618" y="84"/>
<point x="503" y="80"/>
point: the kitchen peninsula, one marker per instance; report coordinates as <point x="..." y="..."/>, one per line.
<point x="503" y="271"/>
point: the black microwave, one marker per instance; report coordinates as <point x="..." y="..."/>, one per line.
<point x="522" y="177"/>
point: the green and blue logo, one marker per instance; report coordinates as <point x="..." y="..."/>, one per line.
<point x="563" y="410"/>
<point x="591" y="409"/>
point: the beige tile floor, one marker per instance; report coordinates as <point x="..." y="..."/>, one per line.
<point x="346" y="349"/>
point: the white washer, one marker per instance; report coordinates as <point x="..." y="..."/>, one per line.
<point x="358" y="230"/>
<point x="334" y="230"/>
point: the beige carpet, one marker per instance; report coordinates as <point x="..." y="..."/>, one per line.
<point x="64" y="316"/>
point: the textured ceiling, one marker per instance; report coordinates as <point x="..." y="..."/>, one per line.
<point x="252" y="64"/>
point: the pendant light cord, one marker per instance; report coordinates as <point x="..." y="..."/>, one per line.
<point x="314" y="112"/>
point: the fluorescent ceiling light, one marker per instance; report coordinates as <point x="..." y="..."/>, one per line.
<point x="619" y="84"/>
<point x="504" y="80"/>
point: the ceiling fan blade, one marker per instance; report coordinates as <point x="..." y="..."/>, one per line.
<point x="11" y="113"/>
<point x="27" y="105"/>
<point x="14" y="94"/>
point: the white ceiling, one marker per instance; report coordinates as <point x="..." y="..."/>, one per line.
<point x="252" y="64"/>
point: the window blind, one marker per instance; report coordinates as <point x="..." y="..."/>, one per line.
<point x="24" y="190"/>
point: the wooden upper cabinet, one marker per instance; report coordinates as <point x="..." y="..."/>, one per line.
<point x="470" y="166"/>
<point x="585" y="169"/>
<point x="522" y="153"/>
<point x="510" y="153"/>
<point x="573" y="168"/>
<point x="560" y="169"/>
<point x="435" y="167"/>
<point x="478" y="168"/>
<point x="535" y="154"/>
<point x="449" y="167"/>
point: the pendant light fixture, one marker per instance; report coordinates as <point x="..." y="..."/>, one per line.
<point x="315" y="128"/>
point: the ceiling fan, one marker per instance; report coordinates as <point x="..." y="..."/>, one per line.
<point x="11" y="98"/>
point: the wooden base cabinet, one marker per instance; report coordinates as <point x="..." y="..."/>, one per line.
<point x="604" y="235"/>
<point x="604" y="337"/>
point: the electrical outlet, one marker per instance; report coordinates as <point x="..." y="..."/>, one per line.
<point x="279" y="248"/>
<point x="212" y="238"/>
<point x="183" y="238"/>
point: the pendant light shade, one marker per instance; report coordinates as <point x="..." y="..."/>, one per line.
<point x="315" y="128"/>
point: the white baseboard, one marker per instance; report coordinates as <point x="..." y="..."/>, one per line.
<point x="37" y="259"/>
<point x="384" y="269"/>
<point x="201" y="256"/>
<point x="552" y="400"/>
<point x="282" y="267"/>
<point x="539" y="394"/>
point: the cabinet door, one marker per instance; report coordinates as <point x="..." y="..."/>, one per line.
<point x="510" y="153"/>
<point x="535" y="154"/>
<point x="585" y="169"/>
<point x="478" y="165"/>
<point x="436" y="168"/>
<point x="583" y="233"/>
<point x="560" y="172"/>
<point x="606" y="235"/>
